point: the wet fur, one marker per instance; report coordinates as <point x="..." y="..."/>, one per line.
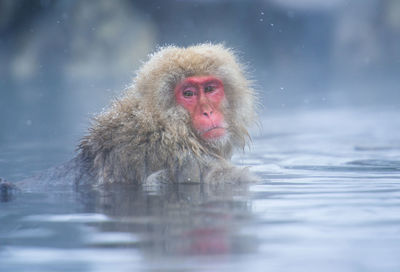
<point x="145" y="136"/>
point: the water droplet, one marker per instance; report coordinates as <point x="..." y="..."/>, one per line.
<point x="262" y="13"/>
<point x="261" y="20"/>
<point x="271" y="24"/>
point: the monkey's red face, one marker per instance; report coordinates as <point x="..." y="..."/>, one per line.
<point x="201" y="96"/>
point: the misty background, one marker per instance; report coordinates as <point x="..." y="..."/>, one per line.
<point x="62" y="61"/>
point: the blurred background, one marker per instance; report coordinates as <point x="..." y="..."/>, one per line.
<point x="62" y="61"/>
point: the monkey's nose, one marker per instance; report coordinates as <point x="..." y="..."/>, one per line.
<point x="207" y="113"/>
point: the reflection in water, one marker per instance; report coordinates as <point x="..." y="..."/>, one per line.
<point x="173" y="219"/>
<point x="154" y="222"/>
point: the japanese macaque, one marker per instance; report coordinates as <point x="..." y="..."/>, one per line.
<point x="180" y="121"/>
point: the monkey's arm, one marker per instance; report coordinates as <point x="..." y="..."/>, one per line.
<point x="209" y="170"/>
<point x="187" y="171"/>
<point x="225" y="172"/>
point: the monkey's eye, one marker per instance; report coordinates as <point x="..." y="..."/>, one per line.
<point x="188" y="93"/>
<point x="209" y="89"/>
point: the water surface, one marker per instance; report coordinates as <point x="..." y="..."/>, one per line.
<point x="328" y="200"/>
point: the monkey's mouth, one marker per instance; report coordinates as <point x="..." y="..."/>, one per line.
<point x="213" y="133"/>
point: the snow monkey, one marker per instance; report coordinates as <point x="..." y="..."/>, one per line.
<point x="180" y="121"/>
